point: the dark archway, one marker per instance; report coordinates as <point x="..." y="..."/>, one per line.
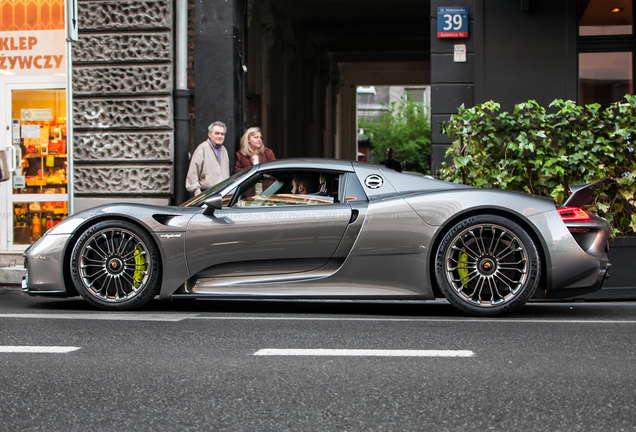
<point x="303" y="61"/>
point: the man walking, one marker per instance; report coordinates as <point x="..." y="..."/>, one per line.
<point x="210" y="162"/>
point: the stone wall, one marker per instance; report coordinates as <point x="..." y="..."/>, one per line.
<point x="122" y="108"/>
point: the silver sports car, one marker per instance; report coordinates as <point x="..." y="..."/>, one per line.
<point x="329" y="229"/>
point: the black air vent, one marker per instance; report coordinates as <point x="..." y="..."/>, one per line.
<point x="164" y="219"/>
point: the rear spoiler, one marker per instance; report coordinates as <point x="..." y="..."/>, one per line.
<point x="581" y="194"/>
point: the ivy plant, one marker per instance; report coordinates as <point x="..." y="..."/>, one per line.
<point x="543" y="151"/>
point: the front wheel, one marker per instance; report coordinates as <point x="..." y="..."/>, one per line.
<point x="115" y="266"/>
<point x="487" y="266"/>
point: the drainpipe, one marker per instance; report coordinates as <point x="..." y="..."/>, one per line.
<point x="181" y="105"/>
<point x="72" y="35"/>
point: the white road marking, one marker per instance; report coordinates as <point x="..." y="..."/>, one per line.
<point x="445" y="320"/>
<point x="37" y="349"/>
<point x="176" y="317"/>
<point x="110" y="316"/>
<point x="364" y="353"/>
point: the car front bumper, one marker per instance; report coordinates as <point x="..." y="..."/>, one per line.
<point x="44" y="263"/>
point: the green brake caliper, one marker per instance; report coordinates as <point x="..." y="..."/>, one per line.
<point x="462" y="259"/>
<point x="140" y="266"/>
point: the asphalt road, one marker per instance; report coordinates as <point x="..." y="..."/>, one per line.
<point x="191" y="365"/>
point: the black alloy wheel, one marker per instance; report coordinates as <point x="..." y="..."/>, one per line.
<point x="115" y="266"/>
<point x="487" y="265"/>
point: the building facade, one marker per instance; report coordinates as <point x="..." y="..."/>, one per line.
<point x="291" y="68"/>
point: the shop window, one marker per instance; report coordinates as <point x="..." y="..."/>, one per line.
<point x="605" y="17"/>
<point x="39" y="124"/>
<point x="604" y="77"/>
<point x="39" y="132"/>
<point x="33" y="219"/>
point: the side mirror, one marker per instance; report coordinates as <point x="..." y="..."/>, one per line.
<point x="215" y="202"/>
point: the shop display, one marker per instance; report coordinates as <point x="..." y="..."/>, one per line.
<point x="44" y="170"/>
<point x="39" y="191"/>
<point x="44" y="163"/>
<point x="32" y="220"/>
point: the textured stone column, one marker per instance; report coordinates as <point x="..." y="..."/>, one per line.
<point x="122" y="109"/>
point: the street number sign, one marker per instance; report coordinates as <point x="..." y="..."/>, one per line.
<point x="452" y="22"/>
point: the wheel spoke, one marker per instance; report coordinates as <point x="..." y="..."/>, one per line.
<point x="473" y="255"/>
<point x="520" y="270"/>
<point x="476" y="294"/>
<point x="105" y="286"/>
<point x="131" y="281"/>
<point x="504" y="276"/>
<point x="108" y="251"/>
<point x="119" y="289"/>
<point x="498" y="276"/>
<point x="495" y="295"/>
<point x="100" y="262"/>
<point x="122" y="246"/>
<point x="98" y="274"/>
<point x="479" y="249"/>
<point x="494" y="248"/>
<point x="474" y="275"/>
<point x="481" y="240"/>
<point x="83" y="266"/>
<point x="98" y="251"/>
<point x="132" y="255"/>
<point x="501" y="258"/>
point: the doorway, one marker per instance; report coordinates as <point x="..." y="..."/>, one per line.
<point x="36" y="197"/>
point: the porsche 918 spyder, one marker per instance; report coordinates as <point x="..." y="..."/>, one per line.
<point x="356" y="231"/>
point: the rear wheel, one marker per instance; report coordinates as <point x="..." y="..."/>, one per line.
<point x="487" y="266"/>
<point x="115" y="266"/>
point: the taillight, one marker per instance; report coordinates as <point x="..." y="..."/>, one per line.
<point x="573" y="214"/>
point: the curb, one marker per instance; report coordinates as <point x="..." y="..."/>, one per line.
<point x="12" y="275"/>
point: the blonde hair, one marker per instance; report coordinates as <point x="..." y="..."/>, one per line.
<point x="246" y="150"/>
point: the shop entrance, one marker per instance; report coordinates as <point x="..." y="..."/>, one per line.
<point x="36" y="197"/>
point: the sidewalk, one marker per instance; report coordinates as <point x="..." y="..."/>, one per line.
<point x="11" y="275"/>
<point x="11" y="268"/>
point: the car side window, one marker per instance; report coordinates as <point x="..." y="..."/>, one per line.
<point x="353" y="189"/>
<point x="289" y="188"/>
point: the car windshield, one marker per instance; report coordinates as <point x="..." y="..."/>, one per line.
<point x="199" y="199"/>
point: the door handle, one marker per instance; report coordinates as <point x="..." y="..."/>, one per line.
<point x="354" y="216"/>
<point x="12" y="158"/>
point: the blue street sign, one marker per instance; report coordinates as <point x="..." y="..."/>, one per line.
<point x="452" y="22"/>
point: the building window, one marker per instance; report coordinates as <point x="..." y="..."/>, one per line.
<point x="604" y="77"/>
<point x="605" y="17"/>
<point x="605" y="45"/>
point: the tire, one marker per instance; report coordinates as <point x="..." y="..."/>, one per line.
<point x="487" y="266"/>
<point x="115" y="266"/>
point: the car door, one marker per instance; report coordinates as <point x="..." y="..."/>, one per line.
<point x="265" y="240"/>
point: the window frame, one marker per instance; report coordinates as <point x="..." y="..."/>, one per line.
<point x="341" y="176"/>
<point x="605" y="44"/>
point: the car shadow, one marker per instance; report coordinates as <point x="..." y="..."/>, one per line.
<point x="538" y="310"/>
<point x="438" y="308"/>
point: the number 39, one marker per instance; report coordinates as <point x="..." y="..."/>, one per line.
<point x="449" y="20"/>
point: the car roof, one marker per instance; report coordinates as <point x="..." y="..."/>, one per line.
<point x="310" y="163"/>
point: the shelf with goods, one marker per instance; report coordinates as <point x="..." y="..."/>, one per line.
<point x="42" y="181"/>
<point x="33" y="219"/>
<point x="44" y="161"/>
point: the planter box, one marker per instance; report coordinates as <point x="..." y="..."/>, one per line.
<point x="621" y="283"/>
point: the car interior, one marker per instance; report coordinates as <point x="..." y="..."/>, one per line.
<point x="275" y="188"/>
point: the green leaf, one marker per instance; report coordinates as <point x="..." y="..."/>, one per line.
<point x="532" y="150"/>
